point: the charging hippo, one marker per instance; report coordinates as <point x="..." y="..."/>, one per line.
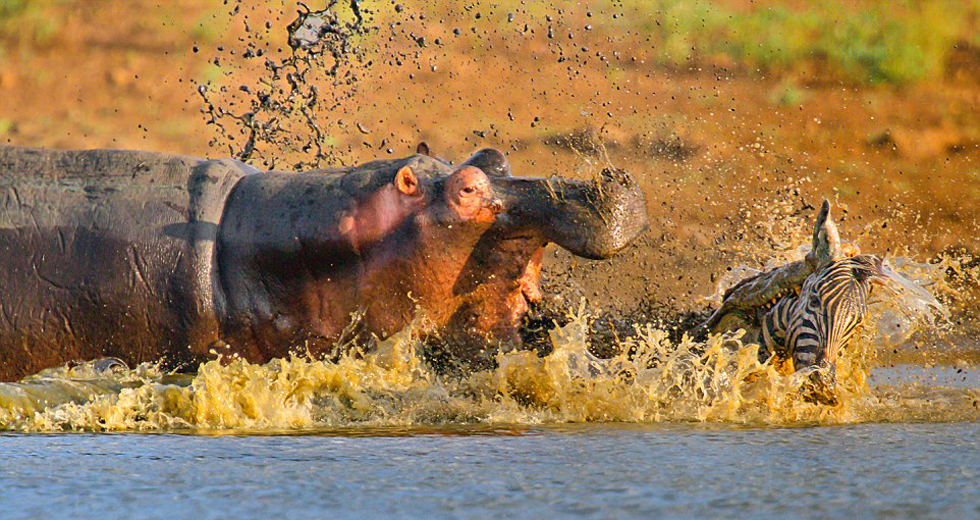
<point x="147" y="256"/>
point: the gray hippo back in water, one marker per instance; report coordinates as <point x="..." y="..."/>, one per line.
<point x="147" y="256"/>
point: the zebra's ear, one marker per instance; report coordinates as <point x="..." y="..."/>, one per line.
<point x="826" y="240"/>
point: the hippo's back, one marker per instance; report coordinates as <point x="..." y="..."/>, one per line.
<point x="105" y="253"/>
<point x="42" y="187"/>
<point x="49" y="164"/>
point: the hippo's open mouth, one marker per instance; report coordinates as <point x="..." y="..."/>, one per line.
<point x="528" y="289"/>
<point x="504" y="283"/>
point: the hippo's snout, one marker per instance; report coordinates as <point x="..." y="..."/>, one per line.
<point x="590" y="219"/>
<point x="616" y="215"/>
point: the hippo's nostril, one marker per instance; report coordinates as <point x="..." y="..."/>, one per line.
<point x="495" y="205"/>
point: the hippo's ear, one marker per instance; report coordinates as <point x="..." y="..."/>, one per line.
<point x="423" y="149"/>
<point x="406" y="182"/>
<point x="491" y="161"/>
<point x="826" y="240"/>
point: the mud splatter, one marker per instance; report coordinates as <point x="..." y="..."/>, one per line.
<point x="282" y="114"/>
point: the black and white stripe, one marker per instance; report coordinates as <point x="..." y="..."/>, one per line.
<point x="813" y="326"/>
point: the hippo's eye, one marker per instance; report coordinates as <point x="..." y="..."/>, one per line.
<point x="469" y="189"/>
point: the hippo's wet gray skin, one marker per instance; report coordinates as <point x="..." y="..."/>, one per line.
<point x="146" y="256"/>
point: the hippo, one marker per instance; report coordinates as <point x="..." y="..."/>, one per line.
<point x="144" y="256"/>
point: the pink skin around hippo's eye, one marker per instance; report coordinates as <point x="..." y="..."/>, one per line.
<point x="468" y="194"/>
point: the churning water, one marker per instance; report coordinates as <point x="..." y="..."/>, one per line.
<point x="673" y="430"/>
<point x="653" y="380"/>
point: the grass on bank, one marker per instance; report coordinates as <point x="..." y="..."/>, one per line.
<point x="861" y="41"/>
<point x="30" y="22"/>
<point x="872" y="41"/>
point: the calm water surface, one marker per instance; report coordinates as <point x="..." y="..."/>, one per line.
<point x="928" y="470"/>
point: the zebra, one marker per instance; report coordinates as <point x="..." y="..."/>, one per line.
<point x="807" y="311"/>
<point x="812" y="326"/>
<point x="742" y="302"/>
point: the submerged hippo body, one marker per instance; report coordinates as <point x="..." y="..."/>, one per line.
<point x="145" y="256"/>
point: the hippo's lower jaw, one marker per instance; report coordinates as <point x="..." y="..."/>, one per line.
<point x="494" y="293"/>
<point x="529" y="284"/>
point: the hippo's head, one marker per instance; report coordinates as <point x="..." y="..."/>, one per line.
<point x="299" y="253"/>
<point x="471" y="260"/>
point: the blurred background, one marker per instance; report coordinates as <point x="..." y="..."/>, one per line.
<point x="737" y="116"/>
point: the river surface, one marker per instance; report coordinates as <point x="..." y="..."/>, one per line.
<point x="674" y="430"/>
<point x="923" y="470"/>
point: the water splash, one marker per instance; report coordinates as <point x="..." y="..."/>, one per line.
<point x="654" y="379"/>
<point x="907" y="304"/>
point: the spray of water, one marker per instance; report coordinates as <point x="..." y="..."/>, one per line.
<point x="653" y="379"/>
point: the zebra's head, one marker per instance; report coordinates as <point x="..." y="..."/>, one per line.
<point x="832" y="303"/>
<point x="821" y="321"/>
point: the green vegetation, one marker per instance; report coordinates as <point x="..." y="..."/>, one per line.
<point x="787" y="95"/>
<point x="29" y="21"/>
<point x="855" y="41"/>
<point x="889" y="41"/>
<point x="859" y="41"/>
